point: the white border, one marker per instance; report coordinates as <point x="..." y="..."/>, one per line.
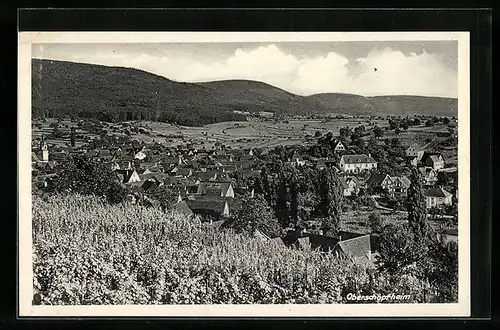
<point x="462" y="308"/>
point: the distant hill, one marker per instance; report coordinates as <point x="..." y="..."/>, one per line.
<point x="397" y="105"/>
<point x="62" y="88"/>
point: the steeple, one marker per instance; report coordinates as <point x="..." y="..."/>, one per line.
<point x="44" y="150"/>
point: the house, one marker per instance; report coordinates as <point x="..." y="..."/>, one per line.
<point x="437" y="196"/>
<point x="154" y="177"/>
<point x="245" y="191"/>
<point x="380" y="182"/>
<point x="205" y="176"/>
<point x="357" y="163"/>
<point x="400" y="185"/>
<point x="171" y="162"/>
<point x="322" y="163"/>
<point x="350" y="185"/>
<point x="433" y="160"/>
<point x="42" y="153"/>
<point x="297" y="159"/>
<point x="141" y="154"/>
<point x="246" y="164"/>
<point x="338" y="146"/>
<point x="429" y="175"/>
<point x="211" y="207"/>
<point x="128" y="176"/>
<point x="415" y="151"/>
<point x="358" y="249"/>
<point x="183" y="208"/>
<point x="125" y="165"/>
<point x="216" y="188"/>
<point x="450" y="235"/>
<point x="183" y="172"/>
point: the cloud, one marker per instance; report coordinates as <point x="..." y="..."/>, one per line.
<point x="381" y="72"/>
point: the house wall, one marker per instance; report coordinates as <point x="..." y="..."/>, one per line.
<point x="436" y="201"/>
<point x="230" y="192"/>
<point x="358" y="167"/>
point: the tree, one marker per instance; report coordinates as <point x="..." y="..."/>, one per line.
<point x="378" y="132"/>
<point x="445" y="120"/>
<point x="256" y="215"/>
<point x="416" y="121"/>
<point x="345" y="132"/>
<point x="87" y="176"/>
<point x="405" y="125"/>
<point x="163" y="194"/>
<point x="416" y="207"/>
<point x="397" y="131"/>
<point x="375" y="222"/>
<point x="73" y="139"/>
<point x="317" y="134"/>
<point x="429" y="123"/>
<point x="396" y="249"/>
<point x="444" y="275"/>
<point x="331" y="199"/>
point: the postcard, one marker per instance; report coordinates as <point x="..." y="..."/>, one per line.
<point x="244" y="174"/>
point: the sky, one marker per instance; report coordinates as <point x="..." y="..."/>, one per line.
<point x="368" y="68"/>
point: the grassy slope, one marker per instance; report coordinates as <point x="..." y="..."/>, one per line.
<point x="72" y="87"/>
<point x="86" y="252"/>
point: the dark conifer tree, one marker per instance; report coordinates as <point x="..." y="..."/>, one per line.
<point x="331" y="201"/>
<point x="73" y="138"/>
<point x="417" y="211"/>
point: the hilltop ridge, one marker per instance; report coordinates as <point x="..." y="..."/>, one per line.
<point x="61" y="88"/>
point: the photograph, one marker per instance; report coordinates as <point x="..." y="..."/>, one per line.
<point x="229" y="174"/>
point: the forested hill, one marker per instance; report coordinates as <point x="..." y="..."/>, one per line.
<point x="114" y="93"/>
<point x="397" y="105"/>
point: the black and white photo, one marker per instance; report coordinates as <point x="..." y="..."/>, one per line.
<point x="289" y="174"/>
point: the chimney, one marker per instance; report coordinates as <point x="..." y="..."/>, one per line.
<point x="369" y="255"/>
<point x="340" y="238"/>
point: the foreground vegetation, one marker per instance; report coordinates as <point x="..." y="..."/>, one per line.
<point x="89" y="252"/>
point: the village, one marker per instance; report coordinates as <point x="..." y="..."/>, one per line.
<point x="209" y="184"/>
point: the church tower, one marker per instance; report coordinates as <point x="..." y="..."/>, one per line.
<point x="44" y="150"/>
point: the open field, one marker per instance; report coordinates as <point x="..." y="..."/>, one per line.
<point x="357" y="221"/>
<point x="40" y="128"/>
<point x="253" y="133"/>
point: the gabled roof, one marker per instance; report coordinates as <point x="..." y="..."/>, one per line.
<point x="357" y="159"/>
<point x="203" y="176"/>
<point x="206" y="187"/>
<point x="426" y="170"/>
<point x="183" y="208"/>
<point x="416" y="146"/>
<point x="346" y="180"/>
<point x="207" y="206"/>
<point x="258" y="234"/>
<point x="184" y="171"/>
<point x="356" y="247"/>
<point x="296" y="155"/>
<point x="403" y="179"/>
<point x="433" y="156"/>
<point x="377" y="178"/>
<point x="126" y="174"/>
<point x="436" y="192"/>
<point x="338" y="143"/>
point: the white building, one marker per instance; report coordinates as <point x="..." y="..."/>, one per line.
<point x="357" y="163"/>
